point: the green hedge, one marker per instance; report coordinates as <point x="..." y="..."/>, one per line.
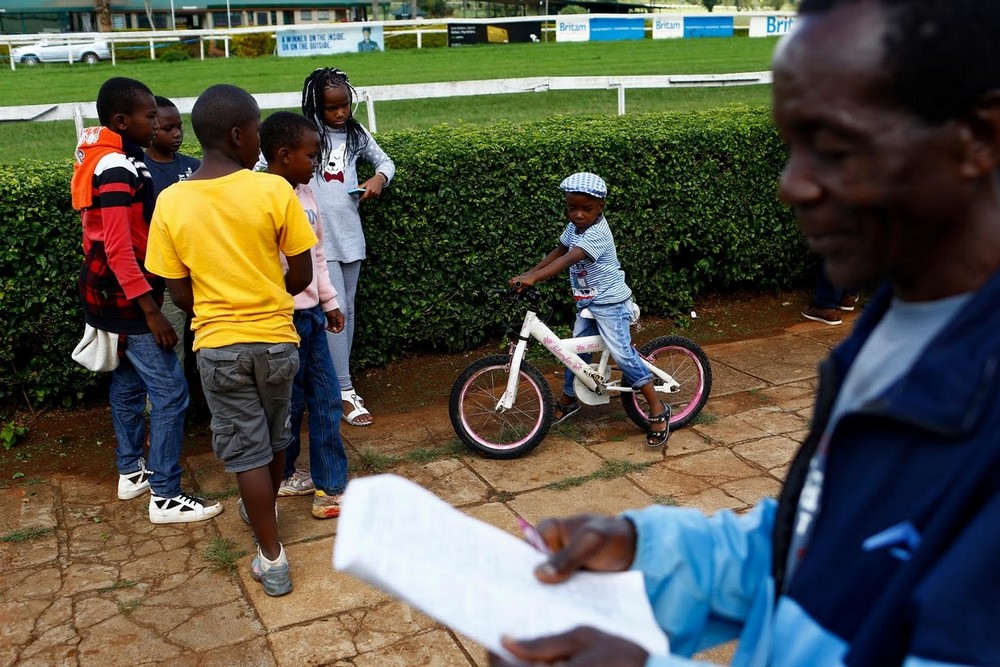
<point x="691" y="203"/>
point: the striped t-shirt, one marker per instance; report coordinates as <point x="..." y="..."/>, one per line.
<point x="599" y="278"/>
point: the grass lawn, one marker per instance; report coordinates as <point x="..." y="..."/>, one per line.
<point x="75" y="83"/>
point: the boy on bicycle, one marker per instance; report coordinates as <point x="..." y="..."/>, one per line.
<point x="587" y="249"/>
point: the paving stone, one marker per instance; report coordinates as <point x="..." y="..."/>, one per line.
<point x="686" y="441"/>
<point x="632" y="449"/>
<point x="769" y="452"/>
<point x="37" y="552"/>
<point x="753" y="489"/>
<point x="116" y="637"/>
<point x="90" y="611"/>
<point x="660" y="481"/>
<point x="781" y="473"/>
<point x="729" y="380"/>
<point x="55" y="644"/>
<point x="495" y="514"/>
<point x="254" y="653"/>
<point x="203" y="588"/>
<point x="317" y="643"/>
<point x="777" y="360"/>
<point x="35" y="583"/>
<point x="772" y="420"/>
<point x="38" y="506"/>
<point x="385" y="625"/>
<point x="231" y="623"/>
<point x="449" y="479"/>
<point x="431" y="649"/>
<point x="606" y="496"/>
<point x="729" y="430"/>
<point x="17" y="619"/>
<point x="319" y="590"/>
<point x="556" y="458"/>
<point x="711" y="501"/>
<point x="88" y="577"/>
<point x="716" y="466"/>
<point x="163" y="619"/>
<point x="57" y="614"/>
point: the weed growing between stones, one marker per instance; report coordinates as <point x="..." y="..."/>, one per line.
<point x="223" y="553"/>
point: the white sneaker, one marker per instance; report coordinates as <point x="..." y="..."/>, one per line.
<point x="183" y="508"/>
<point x="299" y="483"/>
<point x="135" y="483"/>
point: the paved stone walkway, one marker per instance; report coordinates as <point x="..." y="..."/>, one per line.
<point x="97" y="586"/>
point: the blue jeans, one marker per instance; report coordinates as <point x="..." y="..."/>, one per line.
<point x="316" y="387"/>
<point x="145" y="371"/>
<point x="612" y="322"/>
<point x="827" y="295"/>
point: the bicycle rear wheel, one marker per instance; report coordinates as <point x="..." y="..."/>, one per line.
<point x="686" y="363"/>
<point x="484" y="429"/>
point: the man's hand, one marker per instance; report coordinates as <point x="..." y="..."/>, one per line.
<point x="163" y="333"/>
<point x="158" y="324"/>
<point x="586" y="542"/>
<point x="580" y="647"/>
<point x="334" y="320"/>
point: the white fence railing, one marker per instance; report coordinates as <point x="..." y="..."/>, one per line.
<point x="78" y="111"/>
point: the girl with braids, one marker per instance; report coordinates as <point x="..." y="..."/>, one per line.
<point x="328" y="99"/>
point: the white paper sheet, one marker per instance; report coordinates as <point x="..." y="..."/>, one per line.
<point x="474" y="577"/>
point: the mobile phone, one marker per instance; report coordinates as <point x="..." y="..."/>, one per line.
<point x="356" y="191"/>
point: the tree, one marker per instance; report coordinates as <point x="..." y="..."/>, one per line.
<point x="710" y="4"/>
<point x="775" y="4"/>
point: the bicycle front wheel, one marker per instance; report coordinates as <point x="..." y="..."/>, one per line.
<point x="499" y="434"/>
<point x="686" y="363"/>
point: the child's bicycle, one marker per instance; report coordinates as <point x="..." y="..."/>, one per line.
<point x="501" y="406"/>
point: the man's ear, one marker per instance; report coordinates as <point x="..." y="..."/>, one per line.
<point x="981" y="135"/>
<point x="119" y="122"/>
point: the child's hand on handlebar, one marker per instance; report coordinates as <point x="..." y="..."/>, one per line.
<point x="518" y="283"/>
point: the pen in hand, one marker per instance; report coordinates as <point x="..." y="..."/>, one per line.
<point x="532" y="537"/>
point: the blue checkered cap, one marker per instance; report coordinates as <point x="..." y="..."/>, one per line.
<point x="587" y="183"/>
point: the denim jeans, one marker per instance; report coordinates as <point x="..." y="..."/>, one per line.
<point x="612" y="322"/>
<point x="826" y="295"/>
<point x="316" y="387"/>
<point x="145" y="371"/>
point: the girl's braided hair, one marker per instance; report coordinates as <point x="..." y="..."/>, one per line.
<point x="312" y="107"/>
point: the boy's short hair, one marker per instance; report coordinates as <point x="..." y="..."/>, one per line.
<point x="283" y="129"/>
<point x="118" y="95"/>
<point x="587" y="183"/>
<point x="219" y="109"/>
<point x="163" y="103"/>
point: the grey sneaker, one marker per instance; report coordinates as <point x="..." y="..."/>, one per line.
<point x="243" y="511"/>
<point x="276" y="579"/>
<point x="182" y="508"/>
<point x="299" y="483"/>
<point x="134" y="483"/>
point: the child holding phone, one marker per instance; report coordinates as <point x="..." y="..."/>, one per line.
<point x="327" y="99"/>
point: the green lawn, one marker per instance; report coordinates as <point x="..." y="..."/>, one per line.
<point x="74" y="83"/>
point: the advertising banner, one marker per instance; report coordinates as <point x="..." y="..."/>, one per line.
<point x="615" y="29"/>
<point x="708" y="26"/>
<point x="494" y="33"/>
<point x="770" y="26"/>
<point x="349" y="39"/>
<point x="573" y="29"/>
<point x="667" y="26"/>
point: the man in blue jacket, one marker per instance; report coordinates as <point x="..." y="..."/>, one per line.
<point x="884" y="548"/>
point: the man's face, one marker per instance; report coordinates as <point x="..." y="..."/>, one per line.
<point x="170" y="132"/>
<point x="873" y="186"/>
<point x="140" y="125"/>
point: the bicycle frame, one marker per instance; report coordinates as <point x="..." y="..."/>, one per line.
<point x="568" y="351"/>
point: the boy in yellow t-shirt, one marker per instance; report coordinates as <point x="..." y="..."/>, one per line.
<point x="217" y="238"/>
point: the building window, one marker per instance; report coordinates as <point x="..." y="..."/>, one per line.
<point x="323" y="14"/>
<point x="306" y="15"/>
<point x="117" y="21"/>
<point x="262" y="18"/>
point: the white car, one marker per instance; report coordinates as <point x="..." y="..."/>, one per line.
<point x="55" y="50"/>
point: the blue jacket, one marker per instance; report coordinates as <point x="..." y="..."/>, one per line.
<point x="903" y="567"/>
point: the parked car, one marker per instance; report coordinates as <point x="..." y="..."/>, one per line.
<point x="54" y="50"/>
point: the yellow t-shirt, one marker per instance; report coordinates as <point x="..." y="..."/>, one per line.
<point x="227" y="234"/>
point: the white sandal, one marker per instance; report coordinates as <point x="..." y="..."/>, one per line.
<point x="350" y="396"/>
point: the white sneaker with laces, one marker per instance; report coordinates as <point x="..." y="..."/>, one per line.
<point x="182" y="508"/>
<point x="134" y="483"/>
<point x="299" y="483"/>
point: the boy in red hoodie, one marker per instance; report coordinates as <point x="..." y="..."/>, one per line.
<point x="113" y="192"/>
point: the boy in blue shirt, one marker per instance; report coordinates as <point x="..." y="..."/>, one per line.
<point x="587" y="249"/>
